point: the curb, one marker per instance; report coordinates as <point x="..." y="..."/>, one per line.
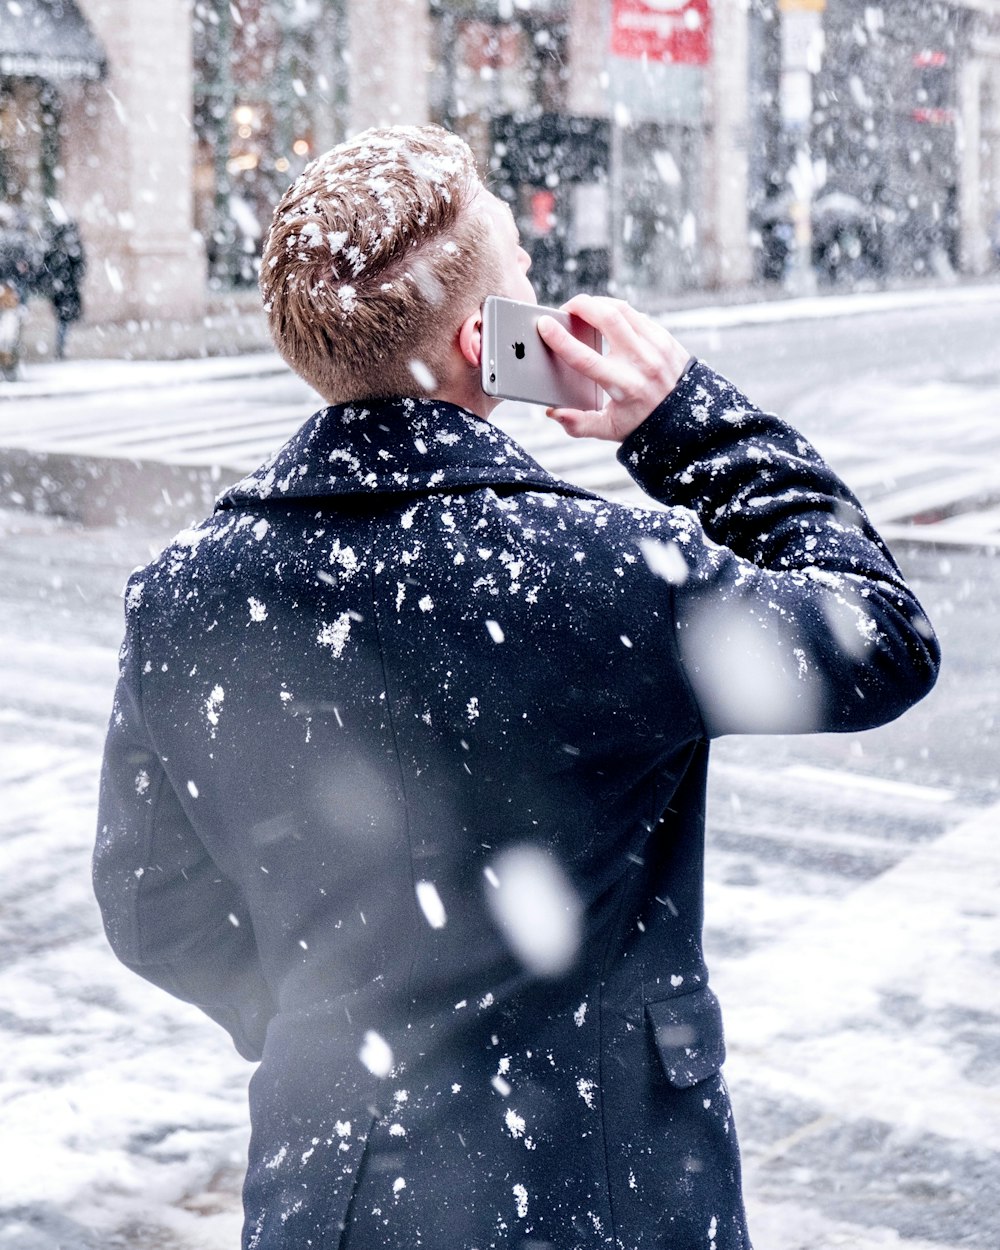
<point x="137" y="375"/>
<point x="825" y="307"/>
<point x="105" y="491"/>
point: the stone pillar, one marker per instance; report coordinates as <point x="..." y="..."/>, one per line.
<point x="587" y="53"/>
<point x="974" y="239"/>
<point x="127" y="151"/>
<point x="389" y="63"/>
<point x="979" y="147"/>
<point x="727" y="258"/>
<point x="990" y="181"/>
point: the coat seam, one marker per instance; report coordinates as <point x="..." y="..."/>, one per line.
<point x="418" y="934"/>
<point x="682" y="669"/>
<point x="154" y="799"/>
<point x="601" y="1055"/>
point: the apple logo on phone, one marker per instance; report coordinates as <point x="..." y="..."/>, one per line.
<point x="518" y="351"/>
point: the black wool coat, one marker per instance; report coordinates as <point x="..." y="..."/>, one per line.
<point x="405" y="787"/>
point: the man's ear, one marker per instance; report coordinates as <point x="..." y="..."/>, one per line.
<point x="470" y="338"/>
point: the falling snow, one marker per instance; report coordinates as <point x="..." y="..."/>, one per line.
<point x="376" y="1054"/>
<point x="431" y="905"/>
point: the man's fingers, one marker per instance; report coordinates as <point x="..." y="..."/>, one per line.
<point x="617" y="376"/>
<point x="652" y="330"/>
<point x="671" y="352"/>
<point x="576" y="354"/>
<point x="610" y="317"/>
<point x="643" y="364"/>
<point x="577" y="423"/>
<point x="630" y="334"/>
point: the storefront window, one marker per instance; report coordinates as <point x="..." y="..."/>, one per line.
<point x="265" y="81"/>
<point x="22" y="147"/>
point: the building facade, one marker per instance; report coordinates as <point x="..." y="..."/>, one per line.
<point x="900" y="128"/>
<point x="650" y="147"/>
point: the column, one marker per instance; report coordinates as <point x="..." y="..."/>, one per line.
<point x="389" y="63"/>
<point x="727" y="259"/>
<point x="973" y="236"/>
<point x="127" y="152"/>
<point x="587" y="53"/>
<point x="802" y="47"/>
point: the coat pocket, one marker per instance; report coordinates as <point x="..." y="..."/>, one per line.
<point x="687" y="1032"/>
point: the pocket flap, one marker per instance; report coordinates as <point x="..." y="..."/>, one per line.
<point x="688" y="1035"/>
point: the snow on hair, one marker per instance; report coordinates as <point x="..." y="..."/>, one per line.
<point x="372" y="261"/>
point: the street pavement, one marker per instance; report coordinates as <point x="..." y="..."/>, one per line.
<point x="853" y="882"/>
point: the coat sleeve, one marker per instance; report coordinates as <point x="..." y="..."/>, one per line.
<point x="791" y="615"/>
<point x="170" y="914"/>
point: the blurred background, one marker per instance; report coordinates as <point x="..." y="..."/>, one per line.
<point x="656" y="148"/>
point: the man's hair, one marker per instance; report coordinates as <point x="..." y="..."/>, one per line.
<point x="373" y="260"/>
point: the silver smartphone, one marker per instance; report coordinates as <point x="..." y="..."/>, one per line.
<point x="516" y="363"/>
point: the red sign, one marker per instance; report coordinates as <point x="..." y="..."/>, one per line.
<point x="675" y="31"/>
<point x="930" y="60"/>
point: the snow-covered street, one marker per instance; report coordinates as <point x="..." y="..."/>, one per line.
<point x="853" y="901"/>
<point x="120" y="1114"/>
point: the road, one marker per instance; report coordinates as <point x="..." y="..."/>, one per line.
<point x="865" y="1071"/>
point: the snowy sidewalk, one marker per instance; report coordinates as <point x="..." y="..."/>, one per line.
<point x="119" y="1113"/>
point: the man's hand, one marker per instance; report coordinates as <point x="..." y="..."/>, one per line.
<point x="643" y="365"/>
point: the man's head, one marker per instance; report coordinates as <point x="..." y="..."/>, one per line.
<point x="377" y="255"/>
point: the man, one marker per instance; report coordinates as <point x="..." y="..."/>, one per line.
<point x="19" y="269"/>
<point x="405" y="779"/>
<point x="62" y="277"/>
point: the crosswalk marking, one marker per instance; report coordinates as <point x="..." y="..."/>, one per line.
<point x="947" y="491"/>
<point x="859" y="781"/>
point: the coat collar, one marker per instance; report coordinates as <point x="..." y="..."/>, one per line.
<point x="392" y="447"/>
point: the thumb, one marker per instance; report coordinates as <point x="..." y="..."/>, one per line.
<point x="579" y="424"/>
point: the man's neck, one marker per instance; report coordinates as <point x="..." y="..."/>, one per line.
<point x="471" y="397"/>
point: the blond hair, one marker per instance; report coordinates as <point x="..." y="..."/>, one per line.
<point x="372" y="261"/>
